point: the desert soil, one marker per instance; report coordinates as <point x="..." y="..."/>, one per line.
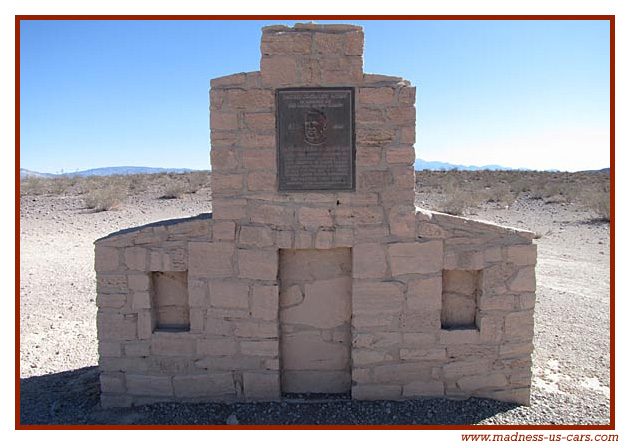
<point x="58" y="345"/>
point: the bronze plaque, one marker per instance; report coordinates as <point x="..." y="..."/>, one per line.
<point x="315" y="129"/>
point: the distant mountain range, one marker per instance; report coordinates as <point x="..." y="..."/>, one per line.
<point x="436" y="165"/>
<point x="105" y="171"/>
<point x="24" y="173"/>
<point x="420" y="164"/>
<point x="607" y="169"/>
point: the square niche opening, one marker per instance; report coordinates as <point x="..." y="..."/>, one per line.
<point x="460" y="289"/>
<point x="170" y="301"/>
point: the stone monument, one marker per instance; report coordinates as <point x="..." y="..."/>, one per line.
<point x="314" y="273"/>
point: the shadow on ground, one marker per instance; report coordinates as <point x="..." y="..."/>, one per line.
<point x="72" y="398"/>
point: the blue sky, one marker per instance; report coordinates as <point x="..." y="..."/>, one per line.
<point x="531" y="94"/>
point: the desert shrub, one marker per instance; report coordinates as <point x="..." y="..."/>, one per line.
<point x="61" y="184"/>
<point x="499" y="194"/>
<point x="602" y="206"/>
<point x="32" y="186"/>
<point x="138" y="183"/>
<point x="174" y="191"/>
<point x="555" y="190"/>
<point x="110" y="197"/>
<point x="457" y="202"/>
<point x="90" y="183"/>
<point x="599" y="202"/>
<point x="520" y="185"/>
<point x="196" y="181"/>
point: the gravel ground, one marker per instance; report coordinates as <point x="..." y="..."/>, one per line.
<point x="58" y="349"/>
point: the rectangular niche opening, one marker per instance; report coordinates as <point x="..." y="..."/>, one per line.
<point x="460" y="289"/>
<point x="315" y="312"/>
<point x="170" y="301"/>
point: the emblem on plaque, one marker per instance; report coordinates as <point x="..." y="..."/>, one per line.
<point x="315" y="123"/>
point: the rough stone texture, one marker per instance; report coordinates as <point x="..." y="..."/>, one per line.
<point x="315" y="320"/>
<point x="343" y="292"/>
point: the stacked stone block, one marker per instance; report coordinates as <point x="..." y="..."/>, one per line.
<point x="439" y="305"/>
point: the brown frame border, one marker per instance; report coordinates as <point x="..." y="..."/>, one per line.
<point x="610" y="18"/>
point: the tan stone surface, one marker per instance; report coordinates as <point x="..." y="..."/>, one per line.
<point x="431" y="388"/>
<point x="224" y="159"/>
<point x="112" y="382"/>
<point x="264" y="348"/>
<point x="376" y="392"/>
<point x="309" y="265"/>
<point x="524" y="281"/>
<point x="324" y="239"/>
<point x="424" y="294"/>
<point x="376" y="298"/>
<point x="482" y="381"/>
<point x="262" y="159"/>
<point x="367" y="357"/>
<point x="522" y="255"/>
<point x="261" y="386"/>
<point x="463" y="336"/>
<point x="310" y="217"/>
<point x="307" y="350"/>
<point x="281" y="71"/>
<point x="415" y="258"/>
<point x="250" y="99"/>
<point x="369" y="261"/>
<point x="274" y="215"/>
<point x="111" y="300"/>
<point x="106" y="259"/>
<point x="204" y="385"/>
<point x="223" y="230"/>
<point x="149" y="385"/>
<point x="326" y="304"/>
<point x="223" y="121"/>
<point x="296" y="43"/>
<point x="216" y="346"/>
<point x="265" y="302"/>
<point x="402" y="373"/>
<point x="255" y="236"/>
<point x="210" y="259"/>
<point x="320" y="381"/>
<point x="255" y="329"/>
<point x="229" y="294"/>
<point x="258" y="264"/>
<point x="115" y="326"/>
<point x="172" y="345"/>
<point x="227" y="184"/>
<point x="135" y="258"/>
<point x="139" y="282"/>
<point x="423" y="354"/>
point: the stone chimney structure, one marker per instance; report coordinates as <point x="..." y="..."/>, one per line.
<point x="314" y="273"/>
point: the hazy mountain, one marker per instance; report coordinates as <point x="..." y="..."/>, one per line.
<point x="420" y="164"/>
<point x="607" y="169"/>
<point x="436" y="165"/>
<point x="106" y="171"/>
<point x="24" y="173"/>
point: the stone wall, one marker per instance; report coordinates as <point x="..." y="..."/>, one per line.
<point x="314" y="291"/>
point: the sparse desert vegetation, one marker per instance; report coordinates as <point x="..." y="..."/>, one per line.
<point x="101" y="193"/>
<point x="454" y="192"/>
<point x="462" y="192"/>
